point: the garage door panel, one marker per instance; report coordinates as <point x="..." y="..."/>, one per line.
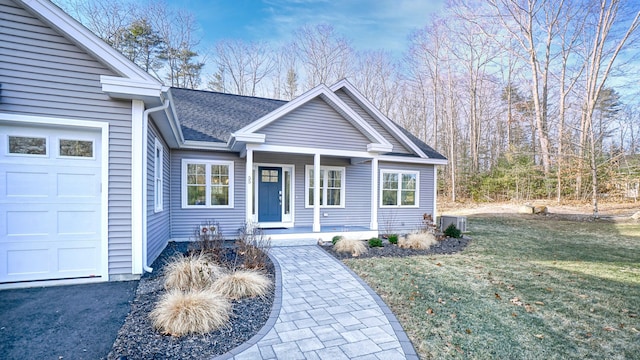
<point x="77" y="185"/>
<point x="78" y="222"/>
<point x="27" y="223"/>
<point x="78" y="259"/>
<point x="26" y="184"/>
<point x="50" y="207"/>
<point x="24" y="262"/>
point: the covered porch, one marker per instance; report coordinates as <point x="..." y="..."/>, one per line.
<point x="281" y="192"/>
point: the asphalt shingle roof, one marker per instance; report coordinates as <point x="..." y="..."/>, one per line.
<point x="213" y="116"/>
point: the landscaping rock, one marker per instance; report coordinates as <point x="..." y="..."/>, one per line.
<point x="446" y="246"/>
<point x="138" y="340"/>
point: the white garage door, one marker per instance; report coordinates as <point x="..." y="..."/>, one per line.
<point x="49" y="203"/>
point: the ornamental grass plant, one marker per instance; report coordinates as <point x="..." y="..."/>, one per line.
<point x="179" y="313"/>
<point x="352" y="246"/>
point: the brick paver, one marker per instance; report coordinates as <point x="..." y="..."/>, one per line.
<point x="326" y="312"/>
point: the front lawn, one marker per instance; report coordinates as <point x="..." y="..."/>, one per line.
<point x="525" y="288"/>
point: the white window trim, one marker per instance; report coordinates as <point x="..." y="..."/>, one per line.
<point x="183" y="176"/>
<point x="324" y="190"/>
<point x="158" y="177"/>
<point x="399" y="173"/>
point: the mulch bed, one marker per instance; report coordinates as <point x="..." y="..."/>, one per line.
<point x="138" y="340"/>
<point x="445" y="246"/>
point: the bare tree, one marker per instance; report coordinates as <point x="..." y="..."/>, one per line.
<point x="325" y="56"/>
<point x="244" y="64"/>
<point x="602" y="55"/>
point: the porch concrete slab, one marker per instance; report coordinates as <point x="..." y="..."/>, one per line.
<point x="325" y="312"/>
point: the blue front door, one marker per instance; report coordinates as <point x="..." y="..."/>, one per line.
<point x="269" y="194"/>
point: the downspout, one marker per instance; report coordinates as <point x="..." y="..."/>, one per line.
<point x="145" y="179"/>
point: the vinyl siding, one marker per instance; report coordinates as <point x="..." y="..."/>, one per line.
<point x="44" y="74"/>
<point x="315" y="125"/>
<point x="397" y="145"/>
<point x="402" y="220"/>
<point x="184" y="221"/>
<point x="158" y="223"/>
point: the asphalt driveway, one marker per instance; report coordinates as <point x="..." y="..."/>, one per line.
<point x="63" y="322"/>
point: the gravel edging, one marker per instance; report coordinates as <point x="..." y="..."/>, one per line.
<point x="443" y="247"/>
<point x="138" y="340"/>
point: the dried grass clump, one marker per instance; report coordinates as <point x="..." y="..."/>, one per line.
<point x="180" y="313"/>
<point x="355" y="247"/>
<point x="418" y="241"/>
<point x="242" y="283"/>
<point x="191" y="272"/>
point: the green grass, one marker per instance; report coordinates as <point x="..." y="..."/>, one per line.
<point x="525" y="288"/>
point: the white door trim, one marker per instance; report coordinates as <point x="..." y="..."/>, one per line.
<point x="16" y="119"/>
<point x="283" y="223"/>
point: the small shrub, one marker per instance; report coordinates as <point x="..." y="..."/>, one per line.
<point x="355" y="247"/>
<point x="180" y="313"/>
<point x="243" y="283"/>
<point x="418" y="241"/>
<point x="393" y="239"/>
<point x="453" y="232"/>
<point x="191" y="272"/>
<point x="375" y="242"/>
<point x="428" y="224"/>
<point x="254" y="247"/>
<point x="208" y="238"/>
<point x="335" y="239"/>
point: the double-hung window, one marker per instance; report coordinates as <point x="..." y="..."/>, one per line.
<point x="158" y="173"/>
<point x="332" y="186"/>
<point x="399" y="188"/>
<point x="207" y="184"/>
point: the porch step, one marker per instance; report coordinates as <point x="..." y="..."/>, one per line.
<point x="293" y="242"/>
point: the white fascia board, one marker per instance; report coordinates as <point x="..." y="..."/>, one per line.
<point x="204" y="145"/>
<point x="252" y="138"/>
<point x="311" y="151"/>
<point x="123" y="88"/>
<point x="362" y="100"/>
<point x="383" y="148"/>
<point x="328" y="95"/>
<point x="402" y="159"/>
<point x="81" y="36"/>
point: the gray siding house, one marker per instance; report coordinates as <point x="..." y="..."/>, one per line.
<point x="101" y="165"/>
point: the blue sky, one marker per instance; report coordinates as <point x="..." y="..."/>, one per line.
<point x="373" y="24"/>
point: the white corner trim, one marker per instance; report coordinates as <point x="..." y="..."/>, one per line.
<point x="386" y="122"/>
<point x="138" y="182"/>
<point x="435" y="193"/>
<point x="84" y="38"/>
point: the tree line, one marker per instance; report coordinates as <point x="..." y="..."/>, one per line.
<point x="528" y="99"/>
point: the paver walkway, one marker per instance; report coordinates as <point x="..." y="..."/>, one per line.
<point x="326" y="312"/>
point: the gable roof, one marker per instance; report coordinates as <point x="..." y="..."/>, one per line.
<point x="213" y="116"/>
<point x="323" y="92"/>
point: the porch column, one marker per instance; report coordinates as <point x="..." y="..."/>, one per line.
<point x="374" y="194"/>
<point x="435" y="193"/>
<point x="316" y="193"/>
<point x="249" y="187"/>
